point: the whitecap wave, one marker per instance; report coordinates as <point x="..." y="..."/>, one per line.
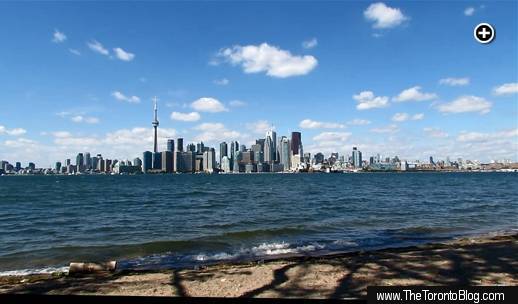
<point x="23" y="272"/>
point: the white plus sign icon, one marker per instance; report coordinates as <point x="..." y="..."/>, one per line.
<point x="484" y="33"/>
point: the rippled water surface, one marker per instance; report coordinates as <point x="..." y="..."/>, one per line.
<point x="183" y="220"/>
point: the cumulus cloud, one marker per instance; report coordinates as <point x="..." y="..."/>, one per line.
<point x="208" y="104"/>
<point x="506" y="89"/>
<point x="358" y="122"/>
<point x="366" y="100"/>
<point x="270" y="59"/>
<point x="400" y="117"/>
<point x="466" y="103"/>
<point x="123" y="55"/>
<point x="384" y="16"/>
<point x="85" y="119"/>
<point x="414" y="94"/>
<point x="435" y="132"/>
<point x="215" y="133"/>
<point x="332" y="137"/>
<point x="393" y="128"/>
<point x="58" y="37"/>
<point x="259" y="127"/>
<point x="483" y="137"/>
<point x="193" y="116"/>
<point x="311" y="124"/>
<point x="222" y="81"/>
<point x="121" y="97"/>
<point x="97" y="47"/>
<point x="469" y="11"/>
<point x="12" y="132"/>
<point x="451" y="81"/>
<point x="309" y="44"/>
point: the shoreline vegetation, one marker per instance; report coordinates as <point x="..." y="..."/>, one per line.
<point x="480" y="260"/>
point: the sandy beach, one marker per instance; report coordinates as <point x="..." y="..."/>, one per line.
<point x="486" y="260"/>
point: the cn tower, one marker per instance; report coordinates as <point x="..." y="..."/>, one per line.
<point x="155" y="126"/>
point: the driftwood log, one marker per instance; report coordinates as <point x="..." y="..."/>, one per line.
<point x="77" y="267"/>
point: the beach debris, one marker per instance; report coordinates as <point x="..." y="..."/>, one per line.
<point x="79" y="267"/>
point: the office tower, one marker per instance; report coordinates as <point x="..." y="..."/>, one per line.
<point x="371" y="160"/>
<point x="18" y="166"/>
<point x="225" y="164"/>
<point x="223" y="151"/>
<point x="319" y="158"/>
<point x="188" y="161"/>
<point x="236" y="160"/>
<point x="107" y="165"/>
<point x="242" y="148"/>
<point x="157" y="161"/>
<point x="270" y="154"/>
<point x="247" y="157"/>
<point x="167" y="161"/>
<point x="100" y="163"/>
<point x="198" y="162"/>
<point x="137" y="162"/>
<point x="357" y="158"/>
<point x="155" y="124"/>
<point x="200" y="147"/>
<point x="260" y="142"/>
<point x="94" y="163"/>
<point x="179" y="144"/>
<point x="3" y="165"/>
<point x="68" y="162"/>
<point x="285" y="152"/>
<point x="80" y="162"/>
<point x="307" y="158"/>
<point x="58" y="167"/>
<point x="147" y="161"/>
<point x="88" y="161"/>
<point x="209" y="160"/>
<point x="234" y="148"/>
<point x="191" y="148"/>
<point x="431" y="161"/>
<point x="170" y="145"/>
<point x="296" y="143"/>
<point x="258" y="153"/>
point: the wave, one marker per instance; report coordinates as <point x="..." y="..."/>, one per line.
<point x="23" y="272"/>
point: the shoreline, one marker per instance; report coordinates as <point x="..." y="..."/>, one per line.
<point x="490" y="259"/>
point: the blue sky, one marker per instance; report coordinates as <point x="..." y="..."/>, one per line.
<point x="395" y="78"/>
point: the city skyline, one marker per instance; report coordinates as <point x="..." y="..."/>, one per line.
<point x="372" y="75"/>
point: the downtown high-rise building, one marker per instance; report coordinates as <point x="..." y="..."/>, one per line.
<point x="357" y="158"/>
<point x="270" y="147"/>
<point x="223" y="151"/>
<point x="285" y="152"/>
<point x="296" y="143"/>
<point x="170" y="145"/>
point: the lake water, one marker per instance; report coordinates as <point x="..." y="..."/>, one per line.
<point x="184" y="220"/>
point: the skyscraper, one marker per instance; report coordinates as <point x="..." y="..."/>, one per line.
<point x="155" y="127"/>
<point x="223" y="151"/>
<point x="179" y="144"/>
<point x="157" y="161"/>
<point x="147" y="161"/>
<point x="80" y="162"/>
<point x="170" y="145"/>
<point x="285" y="154"/>
<point x="272" y="149"/>
<point x="167" y="161"/>
<point x="296" y="143"/>
<point x="209" y="160"/>
<point x="88" y="161"/>
<point x="357" y="158"/>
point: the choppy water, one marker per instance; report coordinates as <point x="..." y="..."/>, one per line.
<point x="184" y="220"/>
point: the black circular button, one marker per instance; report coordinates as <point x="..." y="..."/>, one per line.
<point x="484" y="33"/>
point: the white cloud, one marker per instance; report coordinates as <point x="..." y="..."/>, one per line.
<point x="309" y="44"/>
<point x="259" y="127"/>
<point x="332" y="137"/>
<point x="270" y="59"/>
<point x="58" y="37"/>
<point x="121" y="97"/>
<point x="414" y="94"/>
<point x="237" y="103"/>
<point x="400" y="117"/>
<point x="311" y="124"/>
<point x="75" y="52"/>
<point x="97" y="47"/>
<point x="215" y="133"/>
<point x="418" y="116"/>
<point x="85" y="119"/>
<point x="393" y="128"/>
<point x="208" y="104"/>
<point x="469" y="11"/>
<point x="358" y="122"/>
<point x="222" y="81"/>
<point x="384" y="16"/>
<point x="193" y="116"/>
<point x="366" y="100"/>
<point x="506" y="89"/>
<point x="435" y="132"/>
<point x="484" y="137"/>
<point x="12" y="132"/>
<point x="466" y="103"/>
<point x="123" y="55"/>
<point x="61" y="134"/>
<point x="20" y="143"/>
<point x="451" y="81"/>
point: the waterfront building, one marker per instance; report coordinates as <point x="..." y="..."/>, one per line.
<point x="18" y="166"/>
<point x="209" y="160"/>
<point x="357" y="158"/>
<point x="234" y="148"/>
<point x="58" y="167"/>
<point x="223" y="151"/>
<point x="80" y="162"/>
<point x="285" y="153"/>
<point x="198" y="162"/>
<point x="170" y="145"/>
<point x="88" y="161"/>
<point x="177" y="161"/>
<point x="307" y="158"/>
<point x="270" y="146"/>
<point x="296" y="143"/>
<point x="200" y="148"/>
<point x="247" y="157"/>
<point x="167" y="161"/>
<point x="147" y="161"/>
<point x="157" y="161"/>
<point x="137" y="162"/>
<point x="179" y="144"/>
<point x="191" y="147"/>
<point x="188" y="159"/>
<point x="249" y="168"/>
<point x="225" y="164"/>
<point x="319" y="158"/>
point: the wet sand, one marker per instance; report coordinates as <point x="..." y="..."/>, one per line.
<point x="485" y="260"/>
